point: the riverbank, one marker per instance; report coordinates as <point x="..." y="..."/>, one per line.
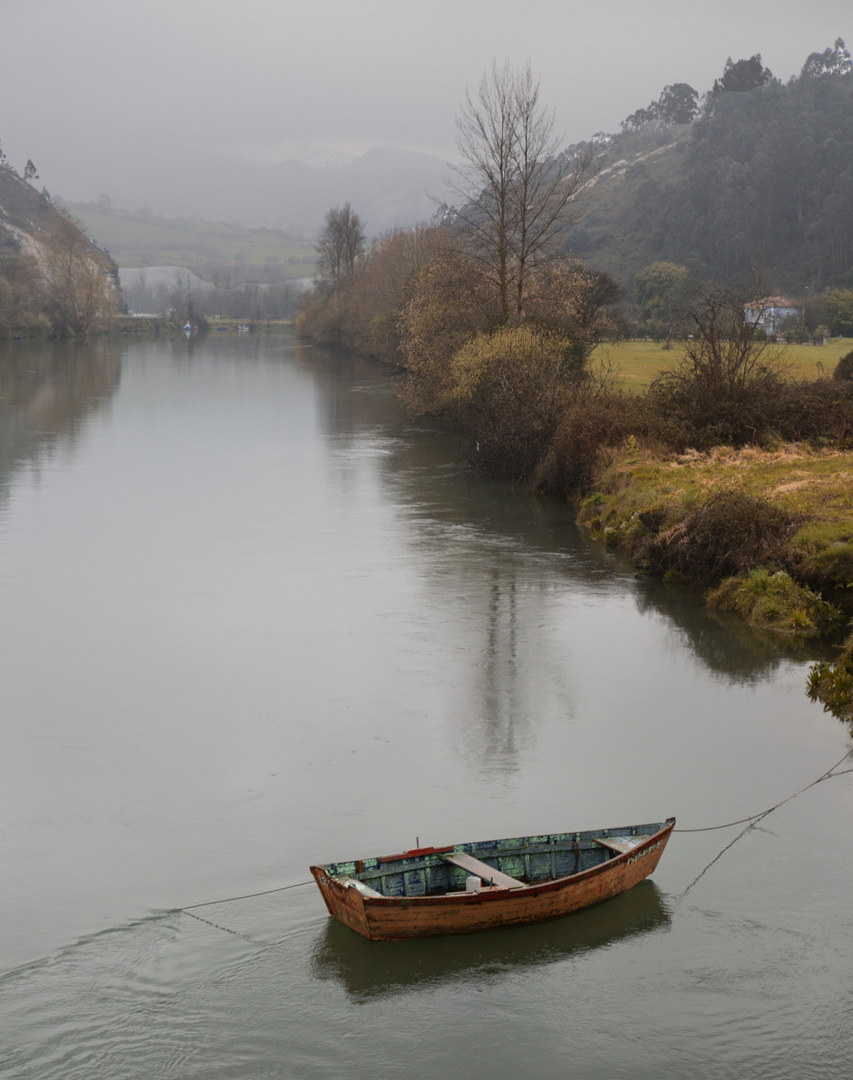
<point x="767" y="534"/>
<point x="155" y="325"/>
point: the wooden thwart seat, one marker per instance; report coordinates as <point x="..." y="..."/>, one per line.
<point x="482" y="870"/>
<point x="620" y="844"/>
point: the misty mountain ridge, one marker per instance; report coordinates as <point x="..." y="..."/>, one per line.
<point x="313" y="154"/>
<point x="760" y="179"/>
<point x="388" y="187"/>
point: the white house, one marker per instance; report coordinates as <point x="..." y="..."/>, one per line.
<point x="769" y="312"/>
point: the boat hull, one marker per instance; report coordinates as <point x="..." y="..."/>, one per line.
<point x="383" y="918"/>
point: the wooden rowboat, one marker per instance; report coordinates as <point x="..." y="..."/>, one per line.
<point x="491" y="884"/>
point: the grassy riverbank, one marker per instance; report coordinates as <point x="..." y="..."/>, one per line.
<point x="779" y="522"/>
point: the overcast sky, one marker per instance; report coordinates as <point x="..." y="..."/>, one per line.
<point x="90" y="89"/>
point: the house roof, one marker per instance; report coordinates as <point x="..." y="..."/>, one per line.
<point x="769" y="302"/>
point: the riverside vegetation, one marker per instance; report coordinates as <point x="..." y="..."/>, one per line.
<point x="55" y="281"/>
<point x="727" y="473"/>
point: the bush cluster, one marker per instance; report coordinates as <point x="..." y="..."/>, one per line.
<point x="362" y="311"/>
<point x="534" y="409"/>
<point x="785" y="410"/>
<point x="844" y="369"/>
<point x="832" y="684"/>
<point x="729" y="534"/>
<point x="596" y="418"/>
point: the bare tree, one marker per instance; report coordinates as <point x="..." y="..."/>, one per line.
<point x="514" y="184"/>
<point x="340" y="242"/>
<point x="77" y="289"/>
<point x="729" y="379"/>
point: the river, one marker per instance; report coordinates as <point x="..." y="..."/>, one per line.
<point x="250" y="619"/>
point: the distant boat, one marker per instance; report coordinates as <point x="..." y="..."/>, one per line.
<point x="489" y="884"/>
<point x="242" y="329"/>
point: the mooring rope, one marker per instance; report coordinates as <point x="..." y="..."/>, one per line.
<point x="245" y="896"/>
<point x="189" y="909"/>
<point x="830" y="774"/>
<point x="752" y="821"/>
<point x="218" y="926"/>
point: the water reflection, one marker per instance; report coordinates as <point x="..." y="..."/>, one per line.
<point x="724" y="643"/>
<point x="498" y="675"/>
<point x="368" y="969"/>
<point x="441" y="501"/>
<point x="501" y="566"/>
<point x="47" y="391"/>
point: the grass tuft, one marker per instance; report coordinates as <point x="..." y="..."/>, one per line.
<point x="774" y="601"/>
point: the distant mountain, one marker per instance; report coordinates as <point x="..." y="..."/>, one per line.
<point x="388" y="187"/>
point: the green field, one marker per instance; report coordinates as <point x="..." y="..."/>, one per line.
<point x="638" y="362"/>
<point x="211" y="250"/>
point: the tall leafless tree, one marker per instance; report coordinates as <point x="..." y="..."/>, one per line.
<point x="340" y="242"/>
<point x="515" y="187"/>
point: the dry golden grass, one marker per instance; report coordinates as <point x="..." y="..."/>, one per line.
<point x="813" y="486"/>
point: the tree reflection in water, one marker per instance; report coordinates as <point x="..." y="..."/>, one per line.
<point x="48" y="390"/>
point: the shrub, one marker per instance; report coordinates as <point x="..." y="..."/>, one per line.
<point x="819" y="409"/>
<point x="506" y="390"/>
<point x="362" y="310"/>
<point x="839" y="311"/>
<point x="844" y="369"/>
<point x="726" y="380"/>
<point x="447" y="308"/>
<point x="594" y="418"/>
<point x="769" y="601"/>
<point x="832" y="684"/>
<point x="730" y="534"/>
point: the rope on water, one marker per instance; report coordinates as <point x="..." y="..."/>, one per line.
<point x="217" y="926"/>
<point x="245" y="896"/>
<point x="190" y="908"/>
<point x="750" y="822"/>
<point x="830" y="774"/>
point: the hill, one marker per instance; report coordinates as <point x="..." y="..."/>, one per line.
<point x="24" y="212"/>
<point x="759" y="185"/>
<point x="388" y="187"/>
<point x="53" y="278"/>
<point x="226" y="255"/>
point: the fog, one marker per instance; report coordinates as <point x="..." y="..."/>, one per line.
<point x="182" y="105"/>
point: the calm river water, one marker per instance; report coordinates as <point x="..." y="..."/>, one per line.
<point x="250" y="619"/>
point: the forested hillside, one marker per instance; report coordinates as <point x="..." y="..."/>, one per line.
<point x="53" y="278"/>
<point x="759" y="184"/>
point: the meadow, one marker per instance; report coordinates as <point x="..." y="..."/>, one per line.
<point x="636" y="363"/>
<point x="210" y="249"/>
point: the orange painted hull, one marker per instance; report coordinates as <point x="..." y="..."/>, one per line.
<point x="382" y="918"/>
